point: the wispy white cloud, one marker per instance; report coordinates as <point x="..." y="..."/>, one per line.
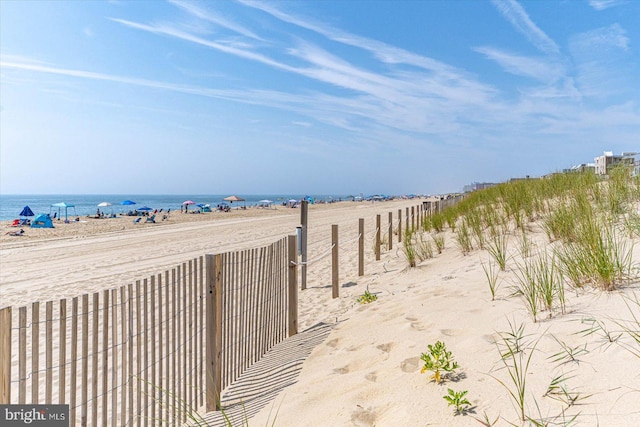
<point x="605" y="4"/>
<point x="214" y="18"/>
<point x="600" y="58"/>
<point x="539" y="68"/>
<point x="518" y="17"/>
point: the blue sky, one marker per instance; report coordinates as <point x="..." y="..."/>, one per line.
<point x="312" y="97"/>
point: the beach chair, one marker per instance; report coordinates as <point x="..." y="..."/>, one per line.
<point x="137" y="220"/>
<point x="16" y="222"/>
<point x="152" y="219"/>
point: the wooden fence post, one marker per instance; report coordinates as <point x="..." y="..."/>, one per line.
<point x="413" y="218"/>
<point x="335" y="286"/>
<point x="407" y="222"/>
<point x="214" y="332"/>
<point x="399" y="225"/>
<point x="304" y="214"/>
<point x="361" y="247"/>
<point x="5" y="356"/>
<point x="378" y="232"/>
<point x="390" y="244"/>
<point x="293" y="286"/>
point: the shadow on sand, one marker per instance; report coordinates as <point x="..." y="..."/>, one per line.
<point x="263" y="381"/>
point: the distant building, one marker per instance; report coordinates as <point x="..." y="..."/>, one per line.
<point x="582" y="167"/>
<point x="477" y="186"/>
<point x="608" y="160"/>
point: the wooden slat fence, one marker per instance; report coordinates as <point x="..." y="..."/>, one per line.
<point x="135" y="355"/>
<point x="249" y="308"/>
<point x="131" y="356"/>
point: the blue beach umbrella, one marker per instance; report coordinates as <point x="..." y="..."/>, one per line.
<point x="144" y="208"/>
<point x="127" y="202"/>
<point x="26" y="211"/>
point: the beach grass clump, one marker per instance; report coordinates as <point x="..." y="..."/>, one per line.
<point x="437" y="222"/>
<point x="463" y="237"/>
<point x="491" y="273"/>
<point x="540" y="282"/>
<point x="516" y="362"/>
<point x="631" y="328"/>
<point x="497" y="248"/>
<point x="476" y="225"/>
<point x="600" y="256"/>
<point x="526" y="246"/>
<point x="423" y="244"/>
<point x="408" y="247"/>
<point x="439" y="241"/>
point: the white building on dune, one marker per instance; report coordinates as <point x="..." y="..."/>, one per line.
<point x="608" y="160"/>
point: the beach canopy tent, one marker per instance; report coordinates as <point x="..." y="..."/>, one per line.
<point x="42" y="221"/>
<point x="65" y="206"/>
<point x="266" y="204"/>
<point x="232" y="199"/>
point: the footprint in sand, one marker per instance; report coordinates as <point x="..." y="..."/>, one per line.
<point x="451" y="332"/>
<point x="410" y="365"/>
<point x="385" y="347"/>
<point x="411" y="318"/>
<point x="333" y="343"/>
<point x="354" y="348"/>
<point x="342" y="371"/>
<point x="417" y="326"/>
<point x="363" y="417"/>
<point x="371" y="376"/>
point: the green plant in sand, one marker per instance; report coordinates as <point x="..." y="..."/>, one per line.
<point x="457" y="399"/>
<point x="438" y="360"/>
<point x="367" y="297"/>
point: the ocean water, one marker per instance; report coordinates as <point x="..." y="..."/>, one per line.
<point x="12" y="205"/>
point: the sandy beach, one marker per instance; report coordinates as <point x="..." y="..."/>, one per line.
<point x="359" y="364"/>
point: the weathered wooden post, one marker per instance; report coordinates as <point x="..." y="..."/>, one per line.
<point x="361" y="247"/>
<point x="304" y="216"/>
<point x="335" y="286"/>
<point x="407" y="222"/>
<point x="378" y="232"/>
<point x="390" y="245"/>
<point x="399" y="225"/>
<point x="5" y="356"/>
<point x="214" y="332"/>
<point x="293" y="286"/>
<point x="413" y="218"/>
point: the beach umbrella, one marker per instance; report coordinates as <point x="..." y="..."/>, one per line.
<point x="127" y="202"/>
<point x="186" y="204"/>
<point x="26" y="211"/>
<point x="106" y="204"/>
<point x="144" y="208"/>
